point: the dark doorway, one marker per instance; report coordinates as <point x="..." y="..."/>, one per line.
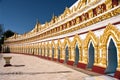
<point x="58" y="53"/>
<point x="52" y="53"/>
<point x="44" y="52"/>
<point x="76" y="54"/>
<point x="41" y="52"/>
<point x="90" y="56"/>
<point x="48" y="52"/>
<point x="111" y="58"/>
<point x="66" y="54"/>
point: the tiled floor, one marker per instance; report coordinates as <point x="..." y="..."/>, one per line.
<point x="26" y="67"/>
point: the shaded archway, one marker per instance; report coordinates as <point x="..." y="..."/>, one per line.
<point x="48" y="51"/>
<point x="90" y="55"/>
<point x="111" y="58"/>
<point x="44" y="52"/>
<point x="58" y="53"/>
<point x="66" y="54"/>
<point x="39" y="53"/>
<point x="76" y="54"/>
<point x="52" y="53"/>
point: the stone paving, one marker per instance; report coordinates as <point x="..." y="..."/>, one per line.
<point x="26" y="67"/>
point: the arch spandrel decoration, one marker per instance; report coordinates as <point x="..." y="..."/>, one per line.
<point x="115" y="34"/>
<point x="53" y="44"/>
<point x="110" y="31"/>
<point x="73" y="45"/>
<point x="91" y="37"/>
<point x="77" y="39"/>
<point x="66" y="42"/>
<point x="59" y="44"/>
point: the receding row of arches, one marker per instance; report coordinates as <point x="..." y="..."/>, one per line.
<point x="103" y="51"/>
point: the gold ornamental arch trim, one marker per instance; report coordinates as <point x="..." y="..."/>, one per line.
<point x="42" y="45"/>
<point x="45" y="45"/>
<point x="67" y="42"/>
<point x="90" y="37"/>
<point x="59" y="44"/>
<point x="48" y="45"/>
<point x="77" y="40"/>
<point x="53" y="44"/>
<point x="112" y="31"/>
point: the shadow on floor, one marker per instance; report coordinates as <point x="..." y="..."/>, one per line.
<point x="34" y="73"/>
<point x="17" y="65"/>
<point x="9" y="65"/>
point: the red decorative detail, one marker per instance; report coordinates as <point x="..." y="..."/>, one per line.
<point x="61" y="61"/>
<point x="54" y="59"/>
<point x="103" y="7"/>
<point x="70" y="63"/>
<point x="86" y="16"/>
<point x="117" y="74"/>
<point x="49" y="58"/>
<point x="114" y="3"/>
<point x="98" y="69"/>
<point x="81" y="65"/>
<point x="94" y="12"/>
<point x="45" y="57"/>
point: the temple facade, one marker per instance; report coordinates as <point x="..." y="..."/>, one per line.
<point x="87" y="35"/>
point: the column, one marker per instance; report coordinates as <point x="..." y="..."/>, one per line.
<point x="118" y="57"/>
<point x="50" y="52"/>
<point x="96" y="55"/>
<point x="80" y="54"/>
<point x="72" y="54"/>
<point x="63" y="53"/>
<point x="69" y="52"/>
<point x="104" y="56"/>
<point x="85" y="55"/>
<point x="55" y="52"/>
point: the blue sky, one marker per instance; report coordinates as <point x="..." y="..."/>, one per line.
<point x="20" y="15"/>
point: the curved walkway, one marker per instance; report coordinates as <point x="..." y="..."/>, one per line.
<point x="32" y="68"/>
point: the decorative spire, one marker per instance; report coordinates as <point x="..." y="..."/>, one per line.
<point x="37" y="21"/>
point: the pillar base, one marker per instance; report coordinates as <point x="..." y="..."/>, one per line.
<point x="117" y="74"/>
<point x="98" y="69"/>
<point x="70" y="63"/>
<point x="61" y="61"/>
<point x="54" y="59"/>
<point x="45" y="57"/>
<point x="81" y="65"/>
<point x="49" y="58"/>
